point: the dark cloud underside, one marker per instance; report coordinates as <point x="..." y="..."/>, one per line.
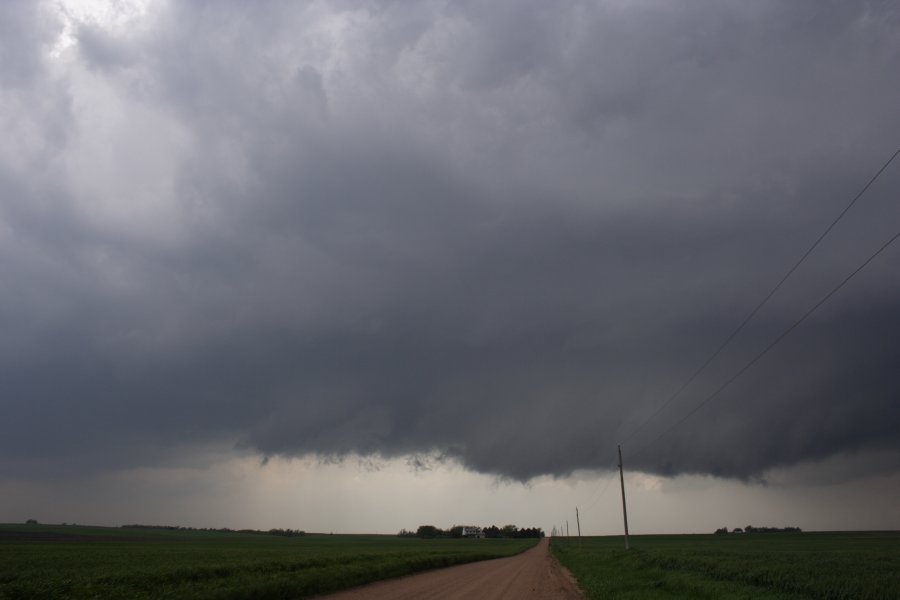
<point x="501" y="233"/>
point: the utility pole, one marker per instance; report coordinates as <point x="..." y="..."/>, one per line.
<point x="567" y="528"/>
<point x="624" y="509"/>
<point x="578" y="521"/>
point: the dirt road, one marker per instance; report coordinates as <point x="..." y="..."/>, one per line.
<point x="530" y="575"/>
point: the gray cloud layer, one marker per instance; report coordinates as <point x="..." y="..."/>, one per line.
<point x="501" y="232"/>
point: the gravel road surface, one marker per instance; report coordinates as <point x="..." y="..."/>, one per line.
<point x="531" y="575"/>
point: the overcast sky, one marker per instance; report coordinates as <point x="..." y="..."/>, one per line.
<point x="358" y="265"/>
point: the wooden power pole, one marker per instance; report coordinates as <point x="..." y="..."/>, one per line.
<point x="578" y="521"/>
<point x="624" y="509"/>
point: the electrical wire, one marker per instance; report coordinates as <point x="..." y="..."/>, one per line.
<point x="598" y="496"/>
<point x="764" y="301"/>
<point x="771" y="345"/>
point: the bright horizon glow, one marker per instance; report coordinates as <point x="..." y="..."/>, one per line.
<point x="384" y="496"/>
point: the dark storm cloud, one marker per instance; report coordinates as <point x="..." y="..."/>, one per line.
<point x="501" y="233"/>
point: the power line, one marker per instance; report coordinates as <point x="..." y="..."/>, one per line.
<point x="771" y="345"/>
<point x="597" y="496"/>
<point x="765" y="300"/>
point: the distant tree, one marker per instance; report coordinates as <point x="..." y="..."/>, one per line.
<point x="491" y="532"/>
<point x="31" y="522"/>
<point x="751" y="529"/>
<point x="456" y="531"/>
<point x="287" y="532"/>
<point x="509" y="531"/>
<point x="737" y="530"/>
<point x="721" y="530"/>
<point x="530" y="532"/>
<point x="428" y="531"/>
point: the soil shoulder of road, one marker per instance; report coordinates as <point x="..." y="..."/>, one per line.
<point x="532" y="574"/>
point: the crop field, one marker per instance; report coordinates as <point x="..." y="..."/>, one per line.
<point x="858" y="566"/>
<point x="40" y="561"/>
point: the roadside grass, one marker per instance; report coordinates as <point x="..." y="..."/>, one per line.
<point x="98" y="562"/>
<point x="827" y="566"/>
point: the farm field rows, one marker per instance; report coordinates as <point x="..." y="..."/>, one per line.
<point x="832" y="566"/>
<point x="40" y="561"/>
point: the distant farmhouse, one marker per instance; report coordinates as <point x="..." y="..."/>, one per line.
<point x="475" y="532"/>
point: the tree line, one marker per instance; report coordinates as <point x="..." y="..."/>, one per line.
<point x="507" y="531"/>
<point x="281" y="532"/>
<point x="752" y="529"/>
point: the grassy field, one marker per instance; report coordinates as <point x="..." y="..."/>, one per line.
<point x="40" y="561"/>
<point x="857" y="566"/>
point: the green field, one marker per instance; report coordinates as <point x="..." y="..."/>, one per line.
<point x="857" y="566"/>
<point x="41" y="561"/>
